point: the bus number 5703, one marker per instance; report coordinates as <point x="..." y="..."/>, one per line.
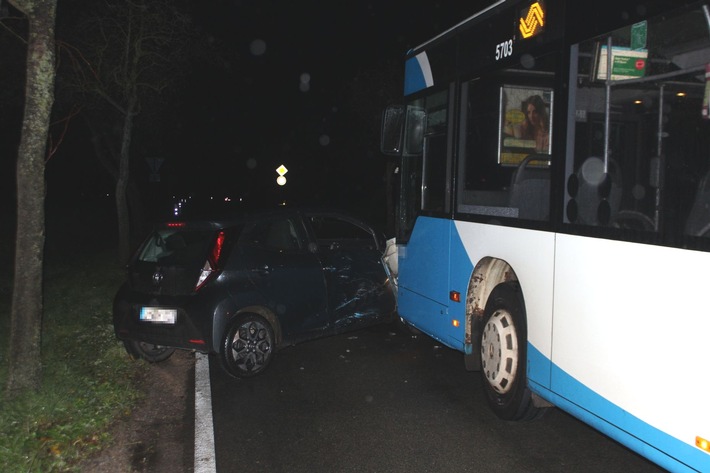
<point x="504" y="49"/>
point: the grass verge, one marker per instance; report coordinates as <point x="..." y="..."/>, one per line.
<point x="88" y="380"/>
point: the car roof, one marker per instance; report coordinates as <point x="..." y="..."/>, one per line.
<point x="239" y="217"/>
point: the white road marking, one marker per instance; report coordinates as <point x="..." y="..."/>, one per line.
<point x="204" y="430"/>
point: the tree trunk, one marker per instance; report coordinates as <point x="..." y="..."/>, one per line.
<point x="27" y="301"/>
<point x="122" y="212"/>
<point x="110" y="160"/>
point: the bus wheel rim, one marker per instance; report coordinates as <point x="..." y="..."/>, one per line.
<point x="499" y="351"/>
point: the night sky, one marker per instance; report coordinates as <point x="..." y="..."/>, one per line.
<point x="299" y="83"/>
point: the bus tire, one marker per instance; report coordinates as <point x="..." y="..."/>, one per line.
<point x="503" y="345"/>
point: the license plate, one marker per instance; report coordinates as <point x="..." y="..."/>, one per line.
<point x="158" y="316"/>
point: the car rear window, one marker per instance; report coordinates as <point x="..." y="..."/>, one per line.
<point x="175" y="246"/>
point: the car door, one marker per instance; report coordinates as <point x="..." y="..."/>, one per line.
<point x="359" y="291"/>
<point x="287" y="276"/>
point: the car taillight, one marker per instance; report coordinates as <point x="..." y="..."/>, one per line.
<point x="211" y="265"/>
<point x="217" y="249"/>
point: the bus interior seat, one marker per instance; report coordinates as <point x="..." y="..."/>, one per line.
<point x="530" y="189"/>
<point x="593" y="193"/>
<point x="633" y="219"/>
<point x="698" y="222"/>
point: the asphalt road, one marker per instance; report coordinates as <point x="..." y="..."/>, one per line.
<point x="380" y="400"/>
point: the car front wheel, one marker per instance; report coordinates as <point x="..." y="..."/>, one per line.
<point x="149" y="352"/>
<point x="248" y="346"/>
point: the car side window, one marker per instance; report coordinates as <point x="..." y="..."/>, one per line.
<point x="333" y="233"/>
<point x="277" y="234"/>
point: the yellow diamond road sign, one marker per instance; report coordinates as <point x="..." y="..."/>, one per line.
<point x="281" y="170"/>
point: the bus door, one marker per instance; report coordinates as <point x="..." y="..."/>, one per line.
<point x="423" y="224"/>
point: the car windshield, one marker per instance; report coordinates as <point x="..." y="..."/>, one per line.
<point x="176" y="246"/>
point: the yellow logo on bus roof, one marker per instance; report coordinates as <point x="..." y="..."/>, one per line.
<point x="533" y="22"/>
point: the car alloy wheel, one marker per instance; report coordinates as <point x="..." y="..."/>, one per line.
<point x="248" y="346"/>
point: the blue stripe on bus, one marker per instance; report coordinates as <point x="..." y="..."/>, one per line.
<point x="417" y="74"/>
<point x="615" y="422"/>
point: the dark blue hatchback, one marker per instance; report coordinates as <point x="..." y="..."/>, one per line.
<point x="242" y="288"/>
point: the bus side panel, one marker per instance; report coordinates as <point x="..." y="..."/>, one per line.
<point x="423" y="281"/>
<point x="531" y="255"/>
<point x="606" y="339"/>
<point x="628" y="433"/>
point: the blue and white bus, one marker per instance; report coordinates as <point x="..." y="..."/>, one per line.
<point x="553" y="212"/>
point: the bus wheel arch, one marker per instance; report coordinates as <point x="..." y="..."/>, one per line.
<point x="488" y="273"/>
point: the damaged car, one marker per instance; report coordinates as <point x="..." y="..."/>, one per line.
<point x="242" y="288"/>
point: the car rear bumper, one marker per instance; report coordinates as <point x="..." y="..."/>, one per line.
<point x="192" y="328"/>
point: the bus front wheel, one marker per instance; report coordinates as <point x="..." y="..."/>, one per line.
<point x="503" y="342"/>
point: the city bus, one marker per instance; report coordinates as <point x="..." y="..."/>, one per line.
<point x="553" y="212"/>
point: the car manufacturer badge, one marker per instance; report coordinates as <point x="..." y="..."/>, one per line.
<point x="157" y="278"/>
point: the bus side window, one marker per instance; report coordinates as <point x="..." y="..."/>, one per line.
<point x="483" y="187"/>
<point x="698" y="222"/>
<point x="506" y="157"/>
<point x="640" y="140"/>
<point x="434" y="178"/>
<point x="595" y="193"/>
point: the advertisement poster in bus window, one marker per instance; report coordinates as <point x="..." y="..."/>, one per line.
<point x="525" y="123"/>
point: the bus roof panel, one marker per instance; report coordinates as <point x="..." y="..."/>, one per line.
<point x="457" y="26"/>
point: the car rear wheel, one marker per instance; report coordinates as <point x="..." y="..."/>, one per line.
<point x="248" y="346"/>
<point x="149" y="352"/>
<point x="503" y="343"/>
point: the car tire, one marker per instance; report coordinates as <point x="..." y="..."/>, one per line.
<point x="248" y="346"/>
<point x="503" y="344"/>
<point x="149" y="352"/>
